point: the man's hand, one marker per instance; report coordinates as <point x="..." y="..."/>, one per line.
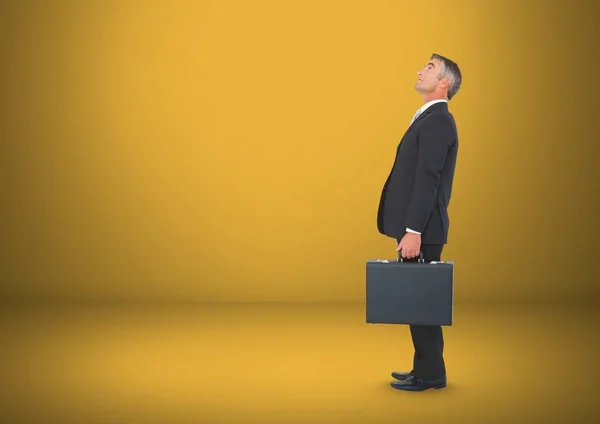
<point x="410" y="245"/>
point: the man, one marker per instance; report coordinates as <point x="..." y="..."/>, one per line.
<point x="414" y="203"/>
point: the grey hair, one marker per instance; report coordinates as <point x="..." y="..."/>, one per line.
<point x="451" y="71"/>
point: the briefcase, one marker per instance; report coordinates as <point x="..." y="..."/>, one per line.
<point x="410" y="292"/>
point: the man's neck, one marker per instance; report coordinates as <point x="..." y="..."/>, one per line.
<point x="430" y="98"/>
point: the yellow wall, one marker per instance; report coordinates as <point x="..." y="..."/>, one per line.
<point x="235" y="150"/>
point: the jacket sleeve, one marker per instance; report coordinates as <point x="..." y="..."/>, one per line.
<point x="434" y="140"/>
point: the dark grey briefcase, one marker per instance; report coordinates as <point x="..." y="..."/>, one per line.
<point x="410" y="292"/>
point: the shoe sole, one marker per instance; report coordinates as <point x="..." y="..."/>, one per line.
<point x="407" y="389"/>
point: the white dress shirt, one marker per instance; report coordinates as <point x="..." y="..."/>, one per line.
<point x="417" y="113"/>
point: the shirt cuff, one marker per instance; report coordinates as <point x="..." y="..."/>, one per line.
<point x="412" y="231"/>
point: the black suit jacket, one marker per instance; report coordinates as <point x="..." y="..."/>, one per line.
<point x="417" y="192"/>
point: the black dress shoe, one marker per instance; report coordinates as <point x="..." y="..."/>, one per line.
<point x="401" y="375"/>
<point x="416" y="384"/>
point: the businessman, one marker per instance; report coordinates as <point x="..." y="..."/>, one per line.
<point x="413" y="207"/>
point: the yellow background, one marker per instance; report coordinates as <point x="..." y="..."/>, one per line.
<point x="235" y="150"/>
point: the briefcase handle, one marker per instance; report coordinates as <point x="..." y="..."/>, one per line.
<point x="401" y="259"/>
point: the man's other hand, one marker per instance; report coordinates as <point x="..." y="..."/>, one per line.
<point x="410" y="245"/>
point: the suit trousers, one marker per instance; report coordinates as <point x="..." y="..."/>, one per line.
<point x="428" y="341"/>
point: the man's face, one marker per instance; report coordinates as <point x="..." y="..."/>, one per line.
<point x="428" y="80"/>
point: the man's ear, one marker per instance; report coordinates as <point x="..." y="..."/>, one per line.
<point x="445" y="83"/>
